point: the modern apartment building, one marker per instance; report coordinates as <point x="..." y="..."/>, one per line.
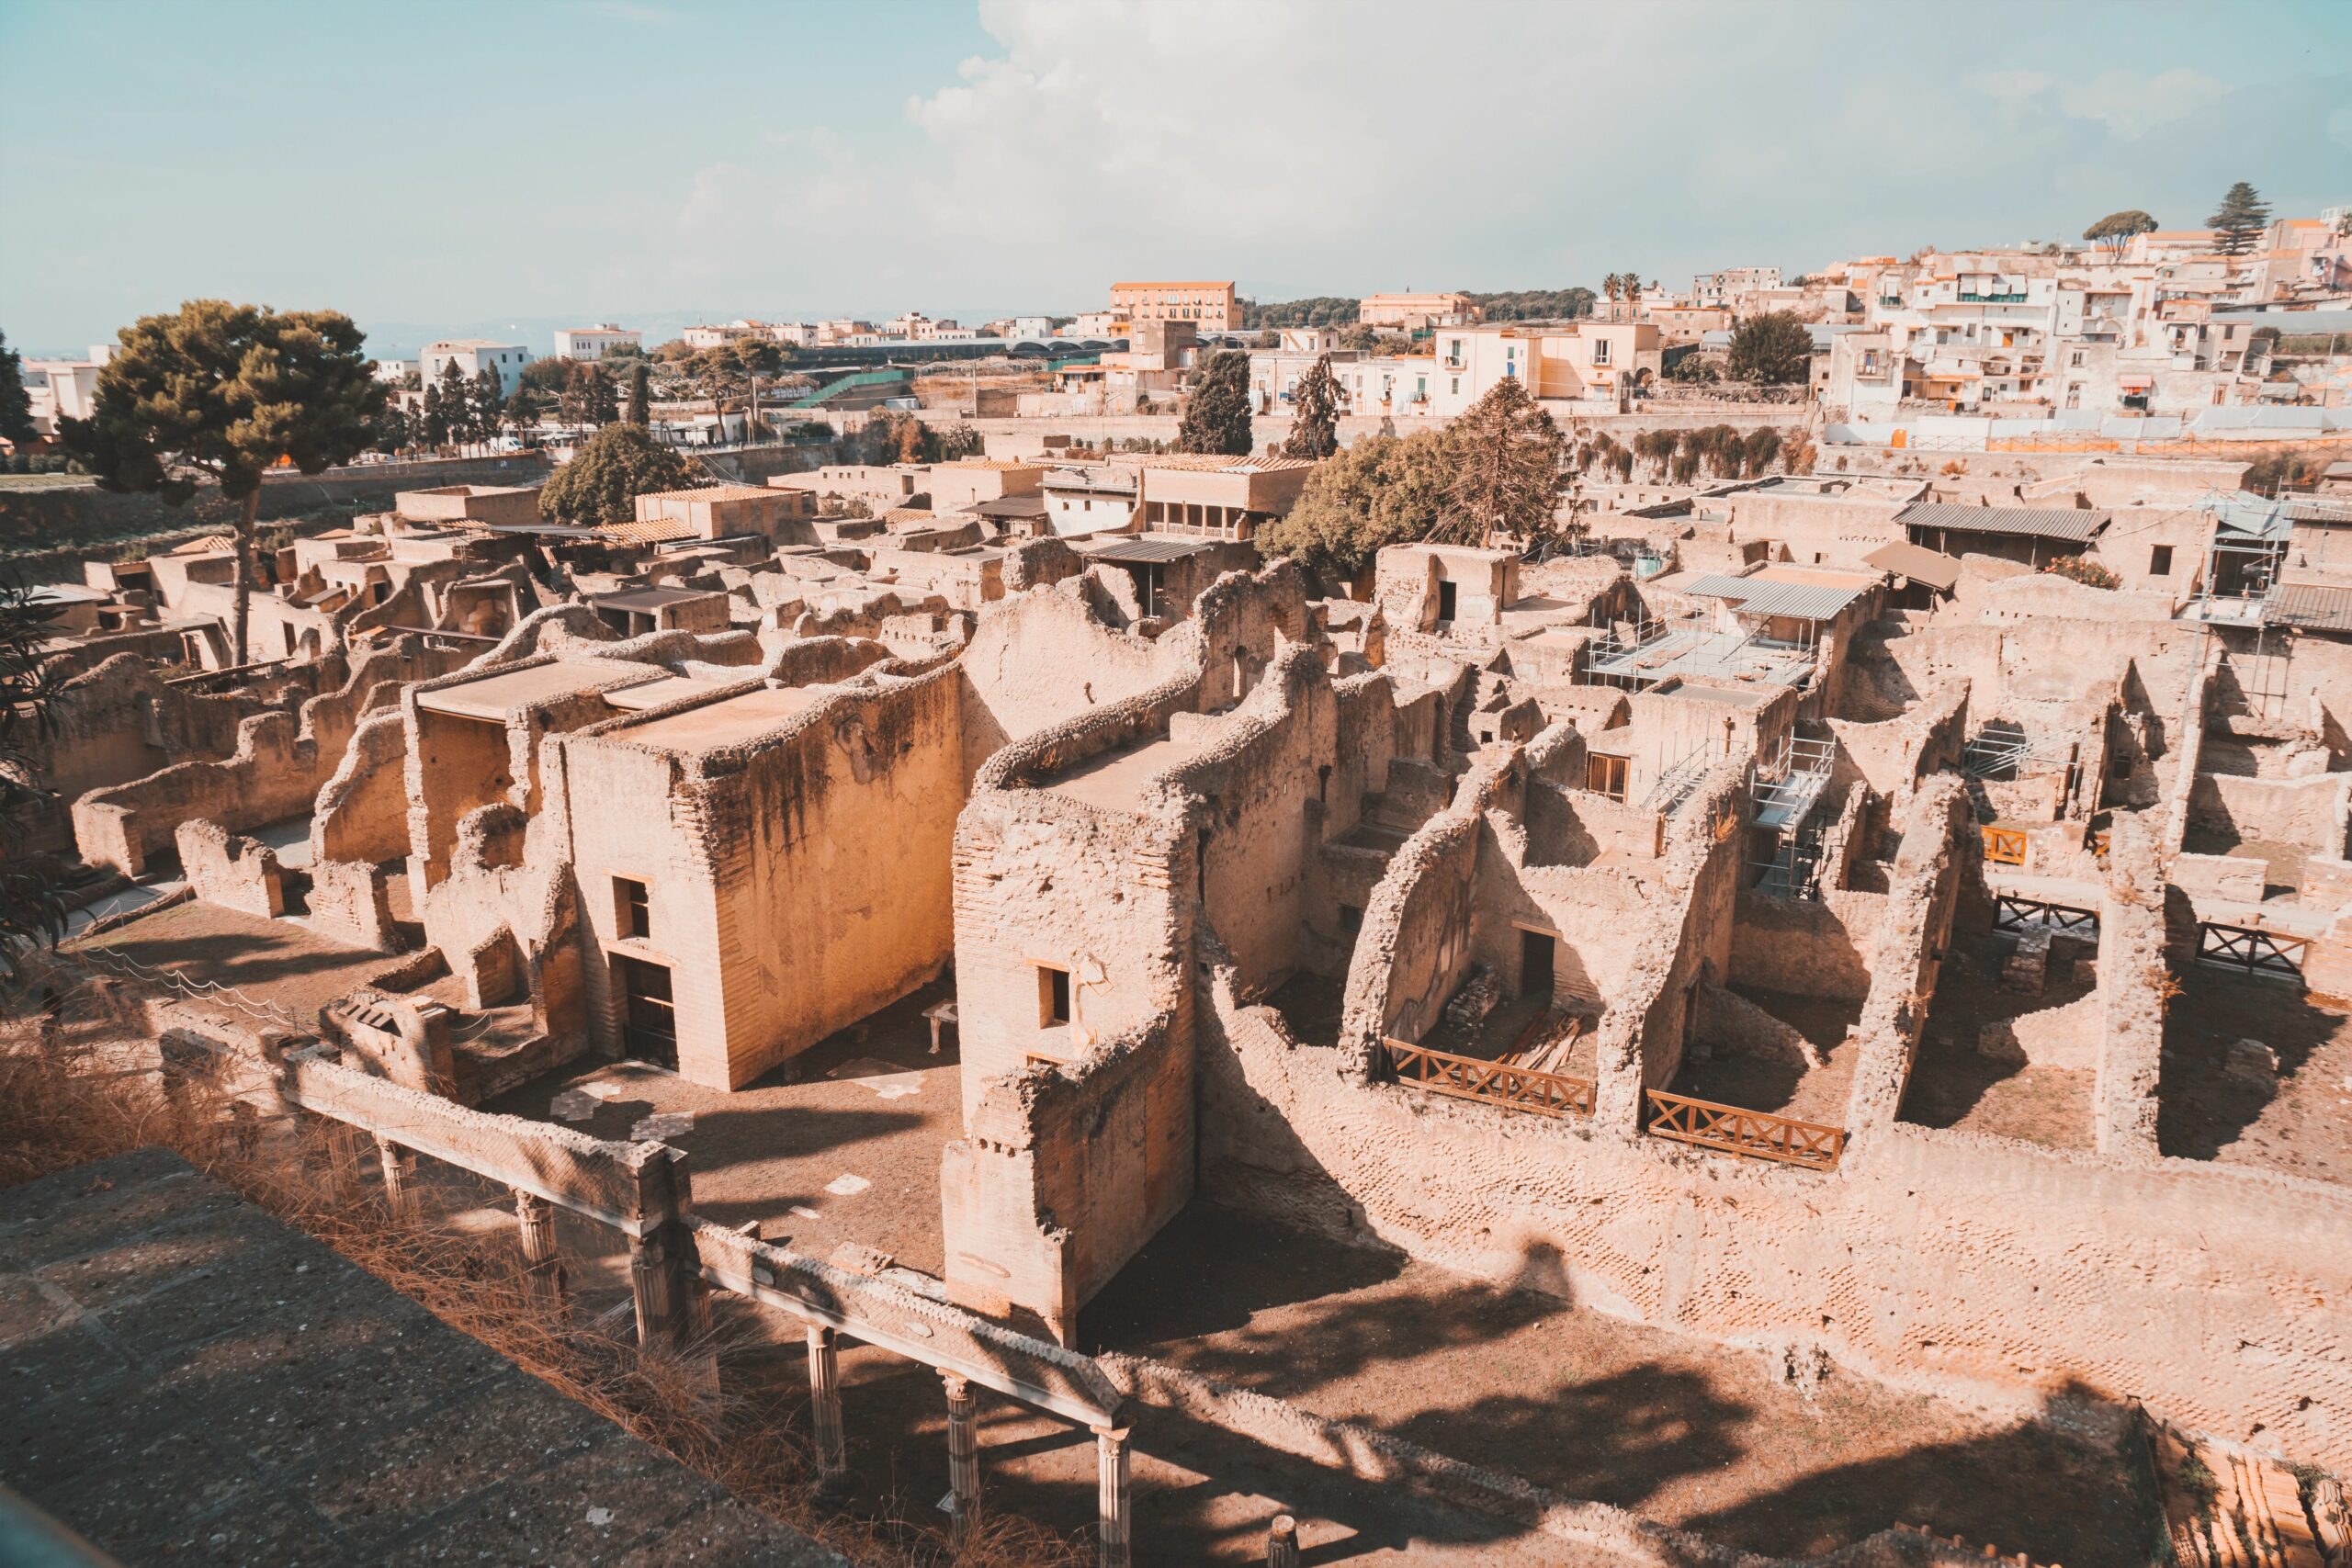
<point x="470" y="353"/>
<point x="592" y="343"/>
<point x="1208" y="306"/>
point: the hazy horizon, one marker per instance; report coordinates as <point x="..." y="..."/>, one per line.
<point x="435" y="169"/>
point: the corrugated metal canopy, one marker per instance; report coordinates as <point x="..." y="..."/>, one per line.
<point x="2074" y="524"/>
<point x="1129" y="547"/>
<point x="2312" y="607"/>
<point x="1764" y="596"/>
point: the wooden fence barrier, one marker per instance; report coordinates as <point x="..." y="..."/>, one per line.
<point x="2015" y="911"/>
<point x="2252" y="950"/>
<point x="1757" y="1134"/>
<point x="2004" y="846"/>
<point x="1467" y="1077"/>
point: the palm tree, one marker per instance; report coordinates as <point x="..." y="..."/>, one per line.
<point x="1609" y="287"/>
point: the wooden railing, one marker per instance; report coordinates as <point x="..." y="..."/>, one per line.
<point x="1754" y="1132"/>
<point x="2015" y="911"/>
<point x="2004" y="846"/>
<point x="2252" y="950"/>
<point x="1514" y="1088"/>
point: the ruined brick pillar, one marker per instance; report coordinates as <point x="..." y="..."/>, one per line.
<point x="1111" y="1496"/>
<point x="1281" y="1542"/>
<point x="657" y="1278"/>
<point x="825" y="1408"/>
<point x="399" y="1173"/>
<point x="963" y="1459"/>
<point x="534" y="1216"/>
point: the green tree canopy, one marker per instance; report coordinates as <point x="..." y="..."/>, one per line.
<point x="1216" y="416"/>
<point x="1382" y="491"/>
<point x="1315" y="413"/>
<point x="222" y="391"/>
<point x="16" y="403"/>
<point x="605" y="478"/>
<point x="1507" y="475"/>
<point x="1773" y="347"/>
<point x="2239" y="220"/>
<point x="2115" y="230"/>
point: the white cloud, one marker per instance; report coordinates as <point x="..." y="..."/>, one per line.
<point x="1327" y="147"/>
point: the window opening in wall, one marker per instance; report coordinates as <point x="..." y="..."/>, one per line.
<point x="1446" y="600"/>
<point x="1351" y="920"/>
<point x="1605" y="775"/>
<point x="649" y="1015"/>
<point x="2160" y="560"/>
<point x="632" y="908"/>
<point x="1053" y="996"/>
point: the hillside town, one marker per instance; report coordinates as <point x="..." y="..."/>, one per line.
<point x="1638" y="924"/>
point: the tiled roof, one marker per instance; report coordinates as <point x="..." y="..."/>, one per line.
<point x="711" y="492"/>
<point x="1919" y="564"/>
<point x="1216" y="463"/>
<point x="659" y="531"/>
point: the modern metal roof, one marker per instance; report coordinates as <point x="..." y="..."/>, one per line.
<point x="2312" y="606"/>
<point x="1133" y="547"/>
<point x="2073" y="524"/>
<point x="1767" y="596"/>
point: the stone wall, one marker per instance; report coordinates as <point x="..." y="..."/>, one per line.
<point x="1969" y="1267"/>
<point x="1808" y="947"/>
<point x="2310" y="813"/>
<point x="1937" y="858"/>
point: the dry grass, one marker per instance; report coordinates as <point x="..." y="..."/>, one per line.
<point x="78" y="1092"/>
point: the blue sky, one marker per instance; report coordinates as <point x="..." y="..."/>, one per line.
<point x="437" y="167"/>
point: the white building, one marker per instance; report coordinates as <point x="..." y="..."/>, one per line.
<point x="592" y="343"/>
<point x="1030" y="327"/>
<point x="719" y="336"/>
<point x="506" y="360"/>
<point x="1099" y="323"/>
<point x="392" y="372"/>
<point x="793" y="334"/>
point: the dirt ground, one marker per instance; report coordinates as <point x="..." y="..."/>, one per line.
<point x="1787" y="1088"/>
<point x="278" y="963"/>
<point x="1689" y="1434"/>
<point x="2301" y="1121"/>
<point x="842" y="1144"/>
<point x="1953" y="1086"/>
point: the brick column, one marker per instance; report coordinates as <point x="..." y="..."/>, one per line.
<point x="657" y="1278"/>
<point x="1112" y="1497"/>
<point x="825" y="1408"/>
<point x="1281" y="1542"/>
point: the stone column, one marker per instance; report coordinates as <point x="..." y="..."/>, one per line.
<point x="657" y="1281"/>
<point x="825" y="1408"/>
<point x="1281" y="1542"/>
<point x="535" y="1217"/>
<point x="1111" y="1497"/>
<point x="963" y="1458"/>
<point x="400" y="1170"/>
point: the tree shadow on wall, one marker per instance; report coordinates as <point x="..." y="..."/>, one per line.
<point x="2052" y="1489"/>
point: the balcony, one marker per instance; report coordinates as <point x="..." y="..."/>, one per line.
<point x="1992" y="299"/>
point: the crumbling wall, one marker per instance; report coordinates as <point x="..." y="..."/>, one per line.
<point x="361" y="812"/>
<point x="1892" y="755"/>
<point x="1937" y="855"/>
<point x="1065" y="1171"/>
<point x="230" y="870"/>
<point x="351" y="901"/>
<point x="1807" y="947"/>
<point x="276" y="772"/>
<point x="1959" y="1265"/>
<point x="2310" y="813"/>
<point x="2132" y="986"/>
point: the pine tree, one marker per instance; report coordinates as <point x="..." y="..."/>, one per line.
<point x="228" y="391"/>
<point x="1216" y="415"/>
<point x="1507" y="478"/>
<point x="2239" y="220"/>
<point x="1315" y="413"/>
<point x="603" y="402"/>
<point x="486" y="403"/>
<point x="2114" y="231"/>
<point x="436" y="418"/>
<point x="456" y="403"/>
<point x="640" y="396"/>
